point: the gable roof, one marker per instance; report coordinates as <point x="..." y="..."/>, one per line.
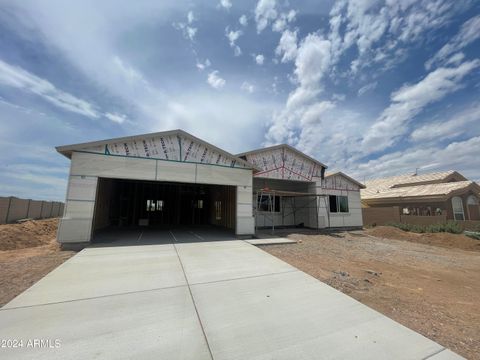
<point x="339" y="173"/>
<point x="412" y="179"/>
<point x="67" y="150"/>
<point x="437" y="185"/>
<point x="282" y="146"/>
<point x="427" y="191"/>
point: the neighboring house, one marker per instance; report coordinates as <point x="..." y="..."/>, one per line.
<point x="438" y="193"/>
<point x="173" y="179"/>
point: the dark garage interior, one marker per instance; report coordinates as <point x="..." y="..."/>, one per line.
<point x="132" y="203"/>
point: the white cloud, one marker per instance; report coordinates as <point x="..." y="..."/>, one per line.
<point x="21" y="79"/>
<point x="287" y="46"/>
<point x="292" y="14"/>
<point x="243" y="20"/>
<point x="283" y="20"/>
<point x="264" y="13"/>
<point x="313" y="60"/>
<point x="187" y="29"/>
<point x="329" y="133"/>
<point x="366" y="88"/>
<point x="232" y="37"/>
<point x="409" y="101"/>
<point x="188" y="32"/>
<point x="338" y="97"/>
<point x="237" y="51"/>
<point x="115" y="117"/>
<point x="455" y="59"/>
<point x="215" y="81"/>
<point x="36" y="175"/>
<point x="230" y="120"/>
<point x="461" y="156"/>
<point x="456" y="125"/>
<point x="259" y="59"/>
<point x="190" y="17"/>
<point x="130" y="74"/>
<point x="469" y="32"/>
<point x="380" y="29"/>
<point x="246" y="86"/>
<point x="226" y="4"/>
<point x="311" y="64"/>
<point x="202" y="66"/>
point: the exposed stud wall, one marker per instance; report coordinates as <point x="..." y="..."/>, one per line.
<point x="305" y="205"/>
<point x="226" y="195"/>
<point x="102" y="203"/>
<point x="245" y="222"/>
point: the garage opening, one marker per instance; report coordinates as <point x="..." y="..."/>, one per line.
<point x="133" y="203"/>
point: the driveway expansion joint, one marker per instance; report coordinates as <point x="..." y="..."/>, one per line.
<point x="92" y="298"/>
<point x="244" y="277"/>
<point x="193" y="299"/>
<point x="435" y="353"/>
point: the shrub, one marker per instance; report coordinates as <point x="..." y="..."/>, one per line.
<point x="473" y="234"/>
<point x="450" y="227"/>
<point x="453" y="227"/>
<point x="434" y="228"/>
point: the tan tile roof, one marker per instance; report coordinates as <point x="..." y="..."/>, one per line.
<point x="437" y="189"/>
<point x="386" y="183"/>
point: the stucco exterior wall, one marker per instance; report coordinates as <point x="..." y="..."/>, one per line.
<point x="445" y="206"/>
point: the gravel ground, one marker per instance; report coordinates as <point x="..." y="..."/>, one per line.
<point x="433" y="289"/>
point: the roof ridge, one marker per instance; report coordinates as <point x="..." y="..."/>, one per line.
<point x="410" y="175"/>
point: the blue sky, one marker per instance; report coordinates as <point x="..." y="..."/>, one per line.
<point x="369" y="87"/>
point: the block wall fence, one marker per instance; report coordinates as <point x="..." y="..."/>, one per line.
<point x="13" y="209"/>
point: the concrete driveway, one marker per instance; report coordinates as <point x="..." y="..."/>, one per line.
<point x="180" y="296"/>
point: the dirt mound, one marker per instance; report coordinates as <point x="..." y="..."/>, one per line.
<point x="448" y="240"/>
<point x="28" y="234"/>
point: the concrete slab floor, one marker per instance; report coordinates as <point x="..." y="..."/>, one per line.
<point x="191" y="299"/>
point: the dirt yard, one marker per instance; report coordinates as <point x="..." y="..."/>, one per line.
<point x="28" y="252"/>
<point x="427" y="282"/>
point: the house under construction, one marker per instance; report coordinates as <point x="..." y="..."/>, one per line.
<point x="173" y="179"/>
